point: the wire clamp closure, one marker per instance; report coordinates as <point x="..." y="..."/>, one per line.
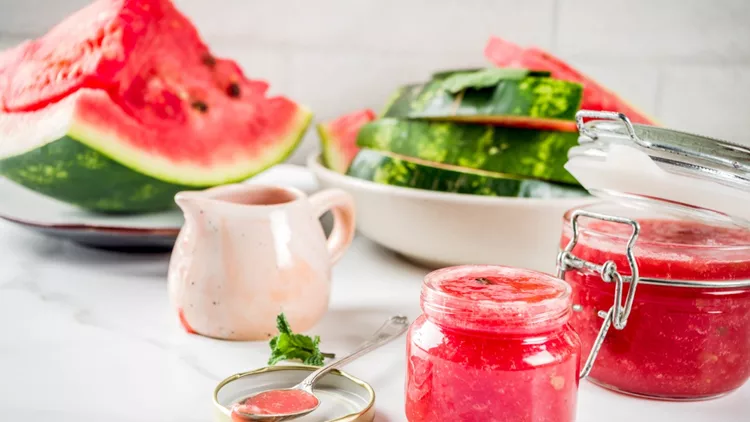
<point x="618" y="314"/>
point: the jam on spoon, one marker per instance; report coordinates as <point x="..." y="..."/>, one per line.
<point x="283" y="404"/>
<point x="276" y="402"/>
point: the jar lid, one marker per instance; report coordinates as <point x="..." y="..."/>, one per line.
<point x="495" y="298"/>
<point x="618" y="158"/>
<point x="342" y="396"/>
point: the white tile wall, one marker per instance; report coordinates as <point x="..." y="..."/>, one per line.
<point x="337" y="82"/>
<point x="685" y="61"/>
<point x="709" y="99"/>
<point x="30" y="17"/>
<point x="638" y="83"/>
<point x="437" y="26"/>
<point x="655" y="30"/>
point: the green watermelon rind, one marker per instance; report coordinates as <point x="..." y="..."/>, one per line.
<point x="400" y="101"/>
<point x="330" y="156"/>
<point x="393" y="170"/>
<point x="76" y="163"/>
<point x="522" y="152"/>
<point x="110" y="146"/>
<point x="395" y="96"/>
<point x="541" y="98"/>
<point x="70" y="171"/>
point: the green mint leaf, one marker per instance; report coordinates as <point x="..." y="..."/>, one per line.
<point x="297" y="354"/>
<point x="315" y="360"/>
<point x="302" y="342"/>
<point x="283" y="342"/>
<point x="442" y="74"/>
<point x="274" y="359"/>
<point x="289" y="346"/>
<point x="282" y="324"/>
<point x="485" y="78"/>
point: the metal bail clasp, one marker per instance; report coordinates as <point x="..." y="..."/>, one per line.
<point x="605" y="115"/>
<point x="618" y="314"/>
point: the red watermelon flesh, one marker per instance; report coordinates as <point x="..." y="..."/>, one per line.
<point x="150" y="93"/>
<point x="339" y="138"/>
<point x="504" y="53"/>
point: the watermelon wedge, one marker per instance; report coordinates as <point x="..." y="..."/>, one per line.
<point x="122" y="105"/>
<point x="518" y="99"/>
<point x="504" y="53"/>
<point x="536" y="154"/>
<point x="338" y="138"/>
<point x="392" y="169"/>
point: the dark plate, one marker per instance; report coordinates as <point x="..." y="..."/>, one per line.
<point x="122" y="239"/>
<point x="155" y="232"/>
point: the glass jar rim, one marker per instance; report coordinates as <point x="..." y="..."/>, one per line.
<point x="623" y="237"/>
<point x="627" y="248"/>
<point x="519" y="314"/>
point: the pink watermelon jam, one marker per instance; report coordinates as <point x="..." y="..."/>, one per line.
<point x="339" y="138"/>
<point x="679" y="343"/>
<point x="595" y="96"/>
<point x="493" y="344"/>
<point x="145" y="84"/>
<point x="275" y="402"/>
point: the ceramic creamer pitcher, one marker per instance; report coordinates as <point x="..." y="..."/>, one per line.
<point x="248" y="252"/>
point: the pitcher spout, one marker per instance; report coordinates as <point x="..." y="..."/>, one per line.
<point x="196" y="207"/>
<point x="187" y="200"/>
<point x="190" y="201"/>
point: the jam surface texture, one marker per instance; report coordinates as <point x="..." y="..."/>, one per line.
<point x="679" y="343"/>
<point x="493" y="344"/>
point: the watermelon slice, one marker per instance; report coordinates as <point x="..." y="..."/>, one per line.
<point x="338" y="138"/>
<point x="518" y="98"/>
<point x="522" y="152"/>
<point x="125" y="94"/>
<point x="392" y="169"/>
<point x="504" y="53"/>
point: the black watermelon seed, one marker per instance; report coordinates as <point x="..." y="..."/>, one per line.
<point x="233" y="90"/>
<point x="209" y="60"/>
<point x="200" y="106"/>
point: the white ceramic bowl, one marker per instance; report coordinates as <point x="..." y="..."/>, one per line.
<point x="437" y="229"/>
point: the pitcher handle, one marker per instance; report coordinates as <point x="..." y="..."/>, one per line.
<point x="341" y="204"/>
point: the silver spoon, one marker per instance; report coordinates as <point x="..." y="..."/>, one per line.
<point x="391" y="329"/>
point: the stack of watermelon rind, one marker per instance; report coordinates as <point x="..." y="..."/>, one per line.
<point x="499" y="131"/>
<point x="493" y="132"/>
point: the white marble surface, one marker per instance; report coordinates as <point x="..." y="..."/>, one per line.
<point x="88" y="335"/>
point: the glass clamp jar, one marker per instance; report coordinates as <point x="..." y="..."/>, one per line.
<point x="492" y="344"/>
<point x="675" y="229"/>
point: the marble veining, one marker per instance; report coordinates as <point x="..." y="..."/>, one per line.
<point x="88" y="334"/>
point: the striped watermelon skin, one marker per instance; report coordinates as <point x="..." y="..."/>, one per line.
<point x="534" y="102"/>
<point x="338" y="138"/>
<point x="67" y="155"/>
<point x="72" y="172"/>
<point x="504" y="53"/>
<point x="522" y="152"/>
<point x="390" y="169"/>
<point x="122" y="104"/>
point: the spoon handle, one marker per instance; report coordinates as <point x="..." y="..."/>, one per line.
<point x="391" y="329"/>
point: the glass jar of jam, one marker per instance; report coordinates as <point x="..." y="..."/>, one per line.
<point x="660" y="271"/>
<point x="492" y="344"/>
